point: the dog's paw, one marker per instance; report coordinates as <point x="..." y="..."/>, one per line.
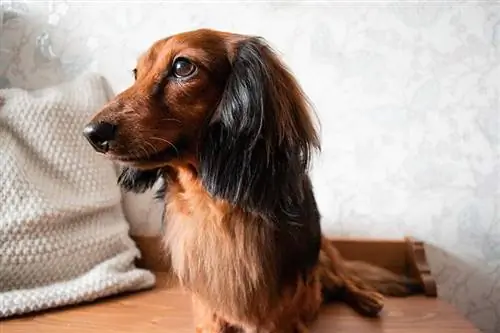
<point x="368" y="303"/>
<point x="363" y="298"/>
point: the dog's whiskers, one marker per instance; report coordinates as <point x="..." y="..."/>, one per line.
<point x="146" y="154"/>
<point x="153" y="150"/>
<point x="167" y="142"/>
<point x="171" y="119"/>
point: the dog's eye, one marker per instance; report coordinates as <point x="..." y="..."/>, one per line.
<point x="183" y="68"/>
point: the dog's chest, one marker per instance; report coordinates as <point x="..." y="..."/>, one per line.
<point x="222" y="255"/>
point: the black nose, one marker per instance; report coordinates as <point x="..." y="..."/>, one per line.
<point x="100" y="135"/>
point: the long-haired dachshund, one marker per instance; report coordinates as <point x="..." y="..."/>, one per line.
<point x="220" y="119"/>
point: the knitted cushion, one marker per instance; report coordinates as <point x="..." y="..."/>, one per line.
<point x="63" y="236"/>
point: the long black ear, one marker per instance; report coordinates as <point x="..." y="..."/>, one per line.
<point x="256" y="149"/>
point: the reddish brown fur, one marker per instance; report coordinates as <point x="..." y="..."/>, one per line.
<point x="221" y="253"/>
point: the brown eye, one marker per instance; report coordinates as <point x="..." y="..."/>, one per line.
<point x="183" y="68"/>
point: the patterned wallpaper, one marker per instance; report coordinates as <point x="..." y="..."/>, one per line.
<point x="407" y="93"/>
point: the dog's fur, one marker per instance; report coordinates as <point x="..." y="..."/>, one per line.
<point x="232" y="143"/>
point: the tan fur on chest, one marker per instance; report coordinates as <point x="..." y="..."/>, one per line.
<point x="223" y="255"/>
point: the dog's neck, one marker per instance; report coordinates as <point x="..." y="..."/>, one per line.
<point x="184" y="179"/>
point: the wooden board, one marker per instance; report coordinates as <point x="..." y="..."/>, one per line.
<point x="167" y="309"/>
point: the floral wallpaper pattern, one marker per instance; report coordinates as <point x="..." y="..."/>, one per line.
<point x="407" y="93"/>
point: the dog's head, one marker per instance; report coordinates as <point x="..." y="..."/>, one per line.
<point x="222" y="103"/>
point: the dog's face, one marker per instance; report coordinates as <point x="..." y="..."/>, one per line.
<point x="178" y="83"/>
<point x="222" y="103"/>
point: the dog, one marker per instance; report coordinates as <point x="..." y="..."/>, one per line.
<point x="221" y="120"/>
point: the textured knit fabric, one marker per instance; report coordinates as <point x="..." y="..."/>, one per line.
<point x="63" y="236"/>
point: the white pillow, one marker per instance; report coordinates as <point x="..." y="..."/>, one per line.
<point x="144" y="212"/>
<point x="63" y="235"/>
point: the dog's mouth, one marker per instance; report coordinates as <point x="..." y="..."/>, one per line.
<point x="172" y="151"/>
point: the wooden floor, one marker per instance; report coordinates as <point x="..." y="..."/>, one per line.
<point x="167" y="310"/>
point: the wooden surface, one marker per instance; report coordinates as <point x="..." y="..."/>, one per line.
<point x="168" y="310"/>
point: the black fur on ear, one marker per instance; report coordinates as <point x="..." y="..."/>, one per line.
<point x="138" y="181"/>
<point x="257" y="145"/>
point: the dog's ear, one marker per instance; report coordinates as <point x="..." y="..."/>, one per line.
<point x="258" y="143"/>
<point x="138" y="181"/>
